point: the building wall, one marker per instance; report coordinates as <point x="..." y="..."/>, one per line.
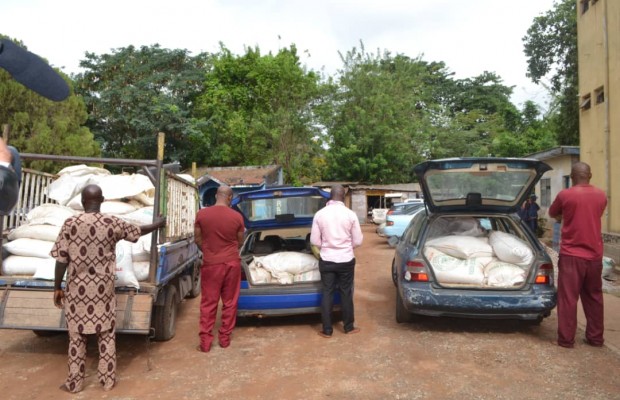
<point x="599" y="124"/>
<point x="358" y="205"/>
<point x="558" y="177"/>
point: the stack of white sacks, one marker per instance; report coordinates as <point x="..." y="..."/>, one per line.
<point x="470" y="256"/>
<point x="129" y="197"/>
<point x="284" y="268"/>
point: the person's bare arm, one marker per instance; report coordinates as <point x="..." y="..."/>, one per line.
<point x="159" y="222"/>
<point x="5" y="154"/>
<point x="240" y="237"/>
<point x="59" y="295"/>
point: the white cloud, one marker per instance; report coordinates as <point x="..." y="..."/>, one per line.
<point x="469" y="36"/>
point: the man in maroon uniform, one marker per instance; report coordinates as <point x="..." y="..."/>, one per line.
<point x="219" y="233"/>
<point x="580" y="209"/>
<point x="86" y="246"/>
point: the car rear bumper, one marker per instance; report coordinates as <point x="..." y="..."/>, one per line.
<point x="270" y="301"/>
<point x="422" y="298"/>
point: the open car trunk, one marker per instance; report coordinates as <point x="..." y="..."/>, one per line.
<point x="279" y="257"/>
<point x="482" y="252"/>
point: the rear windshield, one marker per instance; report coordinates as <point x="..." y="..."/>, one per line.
<point x="501" y="185"/>
<point x="282" y="208"/>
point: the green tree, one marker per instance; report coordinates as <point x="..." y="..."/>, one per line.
<point x="259" y="109"/>
<point x="134" y="93"/>
<point x="384" y="116"/>
<point x="478" y="110"/>
<point x="533" y="134"/>
<point x="39" y="125"/>
<point x="551" y="49"/>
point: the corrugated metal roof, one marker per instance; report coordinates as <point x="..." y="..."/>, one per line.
<point x="238" y="176"/>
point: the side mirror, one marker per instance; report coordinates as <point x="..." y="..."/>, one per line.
<point x="393" y="241"/>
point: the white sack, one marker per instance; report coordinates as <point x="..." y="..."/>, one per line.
<point x="117" y="207"/>
<point x="21" y="265"/>
<point x="146" y="198"/>
<point x="46" y="269"/>
<point x="259" y="274"/>
<point x="510" y="248"/>
<point x="141" y="250"/>
<point x="117" y="187"/>
<point x="291" y="262"/>
<point x="83" y="170"/>
<point x="29" y="247"/>
<point x="72" y="180"/>
<point x="466" y="227"/>
<point x="309" y="276"/>
<point x="125" y="275"/>
<point x="141" y="270"/>
<point x="450" y="269"/>
<point x="41" y="232"/>
<point x="141" y="216"/>
<point x="462" y="246"/>
<point x="51" y="214"/>
<point x="503" y="274"/>
<point x="284" y="265"/>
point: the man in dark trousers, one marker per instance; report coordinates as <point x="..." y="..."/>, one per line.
<point x="336" y="231"/>
<point x="86" y="250"/>
<point x="219" y="231"/>
<point x="580" y="209"/>
<point x="529" y="213"/>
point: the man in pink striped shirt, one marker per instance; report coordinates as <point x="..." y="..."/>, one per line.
<point x="336" y="231"/>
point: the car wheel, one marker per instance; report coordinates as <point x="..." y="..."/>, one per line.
<point x="394" y="274"/>
<point x="165" y="317"/>
<point x="196" y="285"/>
<point x="402" y="315"/>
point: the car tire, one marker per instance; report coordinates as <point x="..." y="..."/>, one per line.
<point x="165" y="318"/>
<point x="402" y="315"/>
<point x="394" y="274"/>
<point x="196" y="283"/>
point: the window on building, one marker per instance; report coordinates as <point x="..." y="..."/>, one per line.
<point x="565" y="181"/>
<point x="585" y="5"/>
<point x="599" y="95"/>
<point x="585" y="102"/>
<point x="545" y="192"/>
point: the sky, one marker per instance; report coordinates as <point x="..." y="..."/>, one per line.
<point x="469" y="36"/>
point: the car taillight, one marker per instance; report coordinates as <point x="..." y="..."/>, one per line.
<point x="544" y="275"/>
<point x="389" y="223"/>
<point x="416" y="271"/>
<point x="390" y="212"/>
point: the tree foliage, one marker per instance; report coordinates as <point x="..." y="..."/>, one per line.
<point x="382" y="116"/>
<point x="551" y="49"/>
<point x="39" y="125"/>
<point x="259" y="109"/>
<point x="134" y="93"/>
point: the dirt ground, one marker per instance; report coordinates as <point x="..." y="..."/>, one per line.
<point x="284" y="358"/>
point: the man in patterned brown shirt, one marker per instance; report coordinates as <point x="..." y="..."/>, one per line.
<point x="85" y="248"/>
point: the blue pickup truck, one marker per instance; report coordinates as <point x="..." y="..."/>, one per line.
<point x="173" y="267"/>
